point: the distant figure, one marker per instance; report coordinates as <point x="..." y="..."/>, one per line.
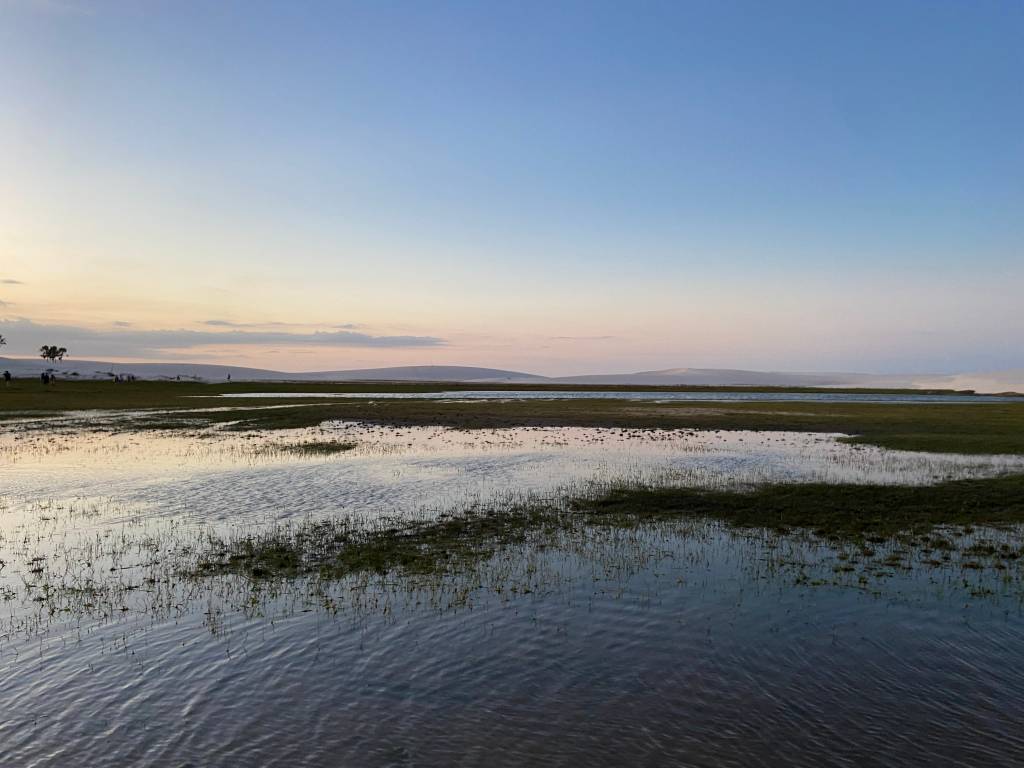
<point x="7" y="378"/>
<point x="229" y="377"/>
<point x="45" y="378"/>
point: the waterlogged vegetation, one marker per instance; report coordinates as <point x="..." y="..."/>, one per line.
<point x="939" y="428"/>
<point x="980" y="428"/>
<point x="432" y="519"/>
<point x="838" y="512"/>
<point x="394" y="568"/>
<point x="75" y="563"/>
<point x="450" y="500"/>
<point x="312" y="447"/>
<point x="884" y="526"/>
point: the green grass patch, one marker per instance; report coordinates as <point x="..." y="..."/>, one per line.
<point x="845" y="514"/>
<point x="842" y="512"/>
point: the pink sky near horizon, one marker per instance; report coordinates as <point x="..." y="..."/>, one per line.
<point x="96" y="304"/>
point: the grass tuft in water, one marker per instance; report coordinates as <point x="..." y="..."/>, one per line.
<point x="855" y="515"/>
<point x="315" y="447"/>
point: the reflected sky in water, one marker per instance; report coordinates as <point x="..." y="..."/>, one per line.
<point x="680" y="643"/>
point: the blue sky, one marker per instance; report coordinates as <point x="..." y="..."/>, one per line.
<point x="561" y="187"/>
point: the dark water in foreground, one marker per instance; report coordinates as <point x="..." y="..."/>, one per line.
<point x="653" y="649"/>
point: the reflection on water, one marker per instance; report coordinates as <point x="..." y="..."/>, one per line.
<point x="216" y="475"/>
<point x="682" y="642"/>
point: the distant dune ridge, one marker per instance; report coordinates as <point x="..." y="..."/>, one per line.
<point x="1000" y="381"/>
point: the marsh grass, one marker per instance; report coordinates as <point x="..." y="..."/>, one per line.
<point x="842" y="512"/>
<point x="983" y="428"/>
<point x="338" y="548"/>
<point x="963" y="537"/>
<point x="312" y="447"/>
<point x="979" y="428"/>
<point x="65" y="562"/>
<point x="853" y="517"/>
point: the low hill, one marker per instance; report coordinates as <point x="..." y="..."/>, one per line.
<point x="97" y="369"/>
<point x="1002" y="381"/>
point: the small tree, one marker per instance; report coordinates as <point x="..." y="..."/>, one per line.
<point x="52" y="353"/>
<point x="2" y="340"/>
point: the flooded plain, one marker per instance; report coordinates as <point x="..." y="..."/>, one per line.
<point x="694" y="396"/>
<point x="683" y="641"/>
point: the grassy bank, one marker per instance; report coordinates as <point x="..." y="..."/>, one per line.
<point x="926" y="519"/>
<point x="839" y="512"/>
<point x="981" y="427"/>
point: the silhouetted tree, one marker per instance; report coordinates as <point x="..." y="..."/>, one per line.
<point x="52" y="353"/>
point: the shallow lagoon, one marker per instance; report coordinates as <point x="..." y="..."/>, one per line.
<point x="212" y="473"/>
<point x="682" y="642"/>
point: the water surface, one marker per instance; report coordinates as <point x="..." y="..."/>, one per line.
<point x="681" y="643"/>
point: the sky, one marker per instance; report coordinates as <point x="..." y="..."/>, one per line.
<point x="554" y="187"/>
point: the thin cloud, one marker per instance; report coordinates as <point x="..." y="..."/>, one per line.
<point x="24" y="334"/>
<point x="9" y="281"/>
<point x="581" y="338"/>
<point x="233" y="324"/>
